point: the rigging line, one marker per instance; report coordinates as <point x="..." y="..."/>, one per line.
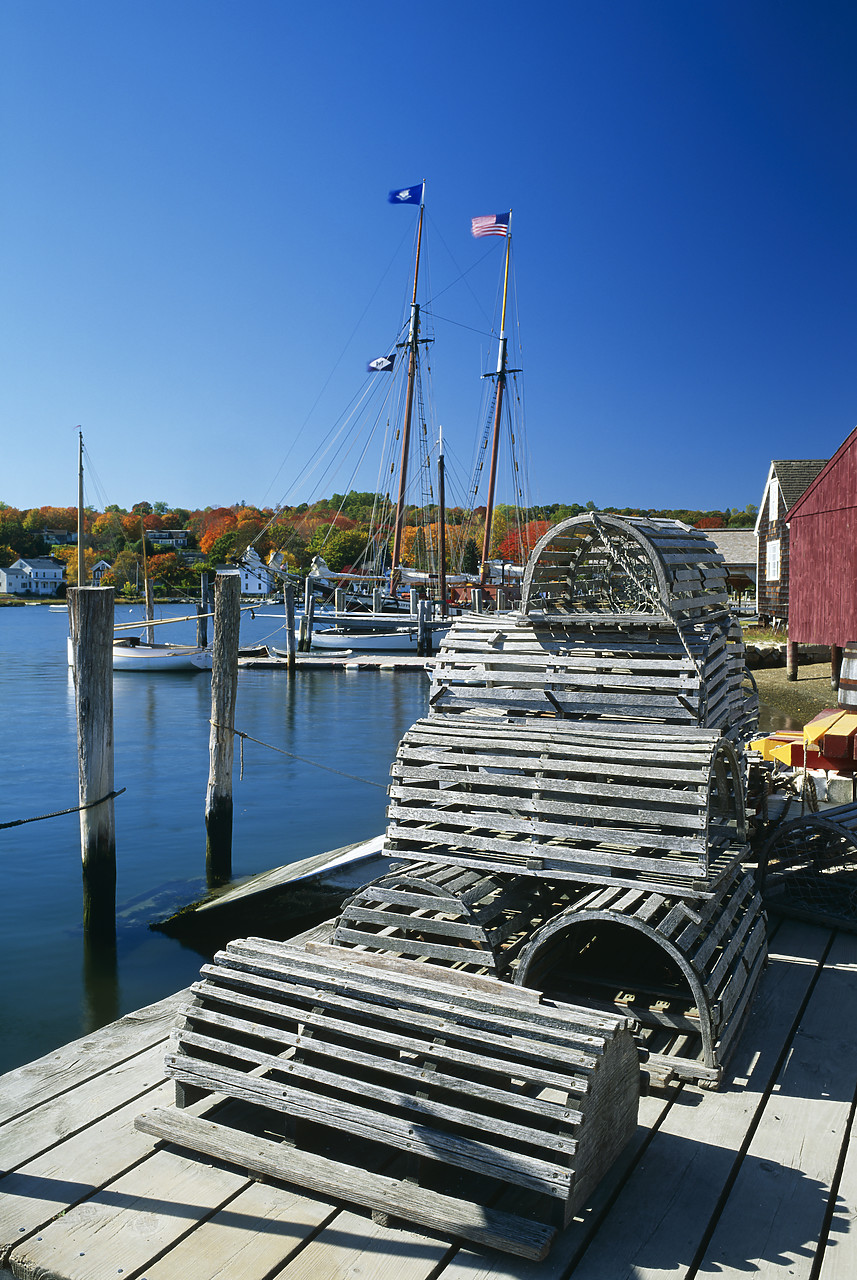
<point x="293" y="756"/>
<point x="336" y="365"/>
<point x="484" y="333"/>
<point x="78" y="808"/>
<point x="461" y="274"/>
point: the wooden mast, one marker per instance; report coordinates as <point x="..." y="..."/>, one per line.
<point x="412" y="345"/>
<point x="149" y="607"/>
<point x="500" y="375"/>
<point x="441" y="498"/>
<point x="81" y="559"/>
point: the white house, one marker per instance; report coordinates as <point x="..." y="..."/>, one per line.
<point x="38" y="576"/>
<point x="13" y="581"/>
<point x="256" y="578"/>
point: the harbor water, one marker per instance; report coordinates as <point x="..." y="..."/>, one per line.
<point x="340" y="730"/>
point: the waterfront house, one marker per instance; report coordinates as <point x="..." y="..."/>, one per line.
<point x="256" y="578"/>
<point x="13" y="581"/>
<point x="739" y="550"/>
<point x="98" y="572"/>
<point x="822" y="522"/>
<point x="36" y="575"/>
<point x="787" y="481"/>
<point x="174" y="538"/>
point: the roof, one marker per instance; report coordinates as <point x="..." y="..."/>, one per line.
<point x="834" y="462"/>
<point x="41" y="562"/>
<point x="795" y="476"/>
<point x="737" y="546"/>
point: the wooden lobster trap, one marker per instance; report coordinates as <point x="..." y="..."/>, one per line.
<point x="437" y="1092"/>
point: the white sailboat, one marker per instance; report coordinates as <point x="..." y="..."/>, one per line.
<point x="131" y="652"/>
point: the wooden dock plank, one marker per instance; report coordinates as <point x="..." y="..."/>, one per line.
<point x="58" y="1072"/>
<point x="354" y="1246"/>
<point x="127" y="1225"/>
<point x="42" y="1127"/>
<point x="660" y="1218"/>
<point x="71" y="1171"/>
<point x="777" y="1205"/>
<point x="257" y="1232"/>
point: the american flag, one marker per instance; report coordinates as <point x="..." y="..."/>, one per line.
<point x="493" y="224"/>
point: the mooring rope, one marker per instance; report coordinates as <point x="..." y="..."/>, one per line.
<point x="78" y="808"/>
<point x="292" y="756"/>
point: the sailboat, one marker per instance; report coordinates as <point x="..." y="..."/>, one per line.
<point x="358" y="627"/>
<point x="384" y="632"/>
<point x="131" y="653"/>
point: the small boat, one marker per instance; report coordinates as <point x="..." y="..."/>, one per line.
<point x="132" y="654"/>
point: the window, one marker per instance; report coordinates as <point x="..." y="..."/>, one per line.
<point x="772" y="565"/>
<point x="773" y="502"/>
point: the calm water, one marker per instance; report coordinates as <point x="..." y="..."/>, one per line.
<point x="52" y="990"/>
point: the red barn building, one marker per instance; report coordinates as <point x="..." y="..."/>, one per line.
<point x="787" y="480"/>
<point x="823" y="551"/>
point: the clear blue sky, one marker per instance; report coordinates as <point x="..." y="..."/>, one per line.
<point x="198" y="257"/>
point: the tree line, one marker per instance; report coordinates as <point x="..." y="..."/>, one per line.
<point x="342" y="528"/>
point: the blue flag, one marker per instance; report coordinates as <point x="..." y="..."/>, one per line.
<point x="407" y="195"/>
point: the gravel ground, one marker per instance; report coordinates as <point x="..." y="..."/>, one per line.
<point x="789" y="704"/>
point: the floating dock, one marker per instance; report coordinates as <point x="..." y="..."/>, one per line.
<point x="758" y="1177"/>
<point x="336" y="660"/>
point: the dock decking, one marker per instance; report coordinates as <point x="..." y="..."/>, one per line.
<point x="756" y="1178"/>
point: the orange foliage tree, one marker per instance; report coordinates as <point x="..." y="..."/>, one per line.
<point x="518" y="544"/>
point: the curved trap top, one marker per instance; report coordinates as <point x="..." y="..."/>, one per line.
<point x="600" y="563"/>
<point x="808" y="868"/>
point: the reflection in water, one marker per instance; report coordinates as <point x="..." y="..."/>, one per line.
<point x="100" y="983"/>
<point x="771" y="720"/>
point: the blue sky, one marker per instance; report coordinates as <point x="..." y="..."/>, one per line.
<point x="197" y="257"/>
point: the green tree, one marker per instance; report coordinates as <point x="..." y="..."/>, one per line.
<point x="470" y="557"/>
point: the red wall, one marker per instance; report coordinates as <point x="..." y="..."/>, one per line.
<point x="823" y="554"/>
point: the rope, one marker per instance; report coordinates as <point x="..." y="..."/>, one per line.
<point x="20" y="822"/>
<point x="291" y="755"/>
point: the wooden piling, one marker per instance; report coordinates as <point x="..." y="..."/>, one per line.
<point x="309" y="617"/>
<point x="202" y="611"/>
<point x="835" y="665"/>
<point x="224" y="689"/>
<point x="90" y="614"/>
<point x="791" y="659"/>
<point x="377" y="600"/>
<point x="289" y="603"/>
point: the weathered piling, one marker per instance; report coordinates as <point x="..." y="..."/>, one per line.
<point x="203" y="609"/>
<point x="792" y="659"/>
<point x="224" y="689"/>
<point x="90" y="614"/>
<point x="289" y="602"/>
<point x="305" y="642"/>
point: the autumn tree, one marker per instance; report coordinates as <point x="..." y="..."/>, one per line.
<point x="518" y="544"/>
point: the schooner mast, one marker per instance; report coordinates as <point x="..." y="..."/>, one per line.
<point x="501" y="224"/>
<point x="412" y="345"/>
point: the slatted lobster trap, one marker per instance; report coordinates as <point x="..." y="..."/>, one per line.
<point x="562" y="802"/>
<point x="439" y="1091"/>
<point x="621" y="620"/>
<point x="808" y="868"/>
